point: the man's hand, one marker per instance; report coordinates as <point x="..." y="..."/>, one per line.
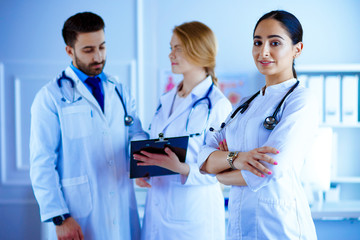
<point x="69" y="229"/>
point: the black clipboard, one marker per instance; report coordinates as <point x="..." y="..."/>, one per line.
<point x="177" y="144"/>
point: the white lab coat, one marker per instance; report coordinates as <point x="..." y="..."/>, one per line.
<point x="79" y="159"/>
<point x="193" y="207"/>
<point x="274" y="207"/>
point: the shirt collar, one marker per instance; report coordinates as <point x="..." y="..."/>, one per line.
<point x="284" y="86"/>
<point x="82" y="76"/>
<point x="202" y="87"/>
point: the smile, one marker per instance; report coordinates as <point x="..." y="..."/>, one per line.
<point x="266" y="62"/>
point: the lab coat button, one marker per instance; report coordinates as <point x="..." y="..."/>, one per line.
<point x="111" y="163"/>
<point x="111" y="193"/>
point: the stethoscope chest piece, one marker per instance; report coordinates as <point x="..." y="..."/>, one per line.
<point x="129" y="120"/>
<point x="270" y="123"/>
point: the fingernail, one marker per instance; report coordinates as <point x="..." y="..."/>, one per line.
<point x="262" y="175"/>
<point x="269" y="172"/>
<point x="277" y="151"/>
<point x="224" y="140"/>
<point x="275" y="163"/>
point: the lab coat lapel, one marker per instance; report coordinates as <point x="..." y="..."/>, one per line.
<point x="198" y="92"/>
<point x="166" y="104"/>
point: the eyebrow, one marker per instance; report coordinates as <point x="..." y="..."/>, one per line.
<point x="90" y="47"/>
<point x="270" y="36"/>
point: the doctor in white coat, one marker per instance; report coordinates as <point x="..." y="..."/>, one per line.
<point x="188" y="205"/>
<point x="79" y="145"/>
<point x="262" y="160"/>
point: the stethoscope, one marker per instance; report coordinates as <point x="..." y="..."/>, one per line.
<point x="269" y="123"/>
<point x="195" y="104"/>
<point x="128" y="120"/>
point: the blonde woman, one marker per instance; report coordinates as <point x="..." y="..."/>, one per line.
<point x="188" y="205"/>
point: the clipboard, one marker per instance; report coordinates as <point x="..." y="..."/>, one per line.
<point x="177" y="144"/>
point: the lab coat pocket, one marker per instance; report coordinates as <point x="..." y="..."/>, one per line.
<point x="77" y="196"/>
<point x="182" y="205"/>
<point x="280" y="214"/>
<point x="77" y="121"/>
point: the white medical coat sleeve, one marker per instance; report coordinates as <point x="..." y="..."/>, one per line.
<point x="212" y="140"/>
<point x="44" y="149"/>
<point x="220" y="110"/>
<point x="294" y="133"/>
<point x="136" y="131"/>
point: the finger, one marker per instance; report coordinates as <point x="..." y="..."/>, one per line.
<point x="81" y="235"/>
<point x="225" y="145"/>
<point x="146" y="184"/>
<point x="153" y="155"/>
<point x="265" y="158"/>
<point x="146" y="164"/>
<point x="221" y="146"/>
<point x="141" y="182"/>
<point x="140" y="158"/>
<point x="76" y="235"/>
<point x="170" y="153"/>
<point x="267" y="149"/>
<point x="261" y="167"/>
<point x="253" y="170"/>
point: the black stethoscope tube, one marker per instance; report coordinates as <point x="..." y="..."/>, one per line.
<point x="128" y="120"/>
<point x="270" y="122"/>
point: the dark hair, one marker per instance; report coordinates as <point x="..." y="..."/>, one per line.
<point x="290" y="23"/>
<point x="81" y="23"/>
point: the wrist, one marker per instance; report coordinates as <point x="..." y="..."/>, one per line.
<point x="231" y="157"/>
<point x="184" y="169"/>
<point x="58" y="220"/>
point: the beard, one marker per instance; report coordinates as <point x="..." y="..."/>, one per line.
<point x="89" y="69"/>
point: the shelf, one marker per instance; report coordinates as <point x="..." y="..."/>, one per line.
<point x="346" y="180"/>
<point x="336" y="210"/>
<point x="329" y="68"/>
<point x="341" y="125"/>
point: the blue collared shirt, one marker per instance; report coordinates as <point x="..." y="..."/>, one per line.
<point x="82" y="76"/>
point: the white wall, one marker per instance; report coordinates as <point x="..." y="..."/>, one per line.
<point x="331" y="30"/>
<point x="32" y="51"/>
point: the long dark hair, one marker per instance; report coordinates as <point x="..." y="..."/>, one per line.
<point x="290" y="23"/>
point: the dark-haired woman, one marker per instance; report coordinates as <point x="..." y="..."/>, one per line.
<point x="264" y="141"/>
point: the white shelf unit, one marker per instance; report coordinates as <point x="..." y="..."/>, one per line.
<point x="345" y="165"/>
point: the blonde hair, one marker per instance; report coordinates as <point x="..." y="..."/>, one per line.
<point x="200" y="45"/>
